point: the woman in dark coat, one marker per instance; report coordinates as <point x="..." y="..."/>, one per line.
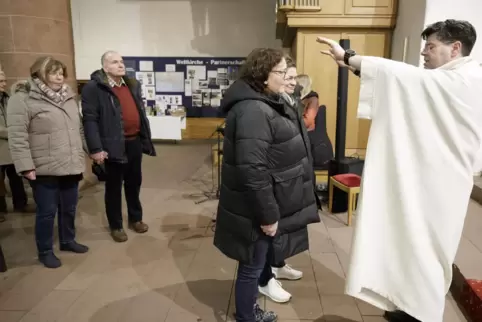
<point x="267" y="192"/>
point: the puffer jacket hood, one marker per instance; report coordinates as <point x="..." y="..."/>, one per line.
<point x="27" y="86"/>
<point x="20" y="86"/>
<point x="240" y="91"/>
<point x="100" y="77"/>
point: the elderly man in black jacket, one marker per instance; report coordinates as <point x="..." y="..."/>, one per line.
<point x="117" y="132"/>
<point x="267" y="194"/>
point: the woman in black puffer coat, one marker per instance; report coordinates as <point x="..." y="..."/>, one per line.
<point x="267" y="192"/>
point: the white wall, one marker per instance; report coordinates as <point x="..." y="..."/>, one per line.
<point x="415" y="15"/>
<point x="221" y="28"/>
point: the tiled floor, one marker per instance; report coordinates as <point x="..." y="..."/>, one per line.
<point x="173" y="273"/>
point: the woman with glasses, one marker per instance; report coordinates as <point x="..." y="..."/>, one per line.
<point x="267" y="197"/>
<point x="272" y="288"/>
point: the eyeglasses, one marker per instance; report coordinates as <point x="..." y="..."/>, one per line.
<point x="282" y="73"/>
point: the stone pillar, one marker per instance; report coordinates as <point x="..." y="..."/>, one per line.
<point x="30" y="29"/>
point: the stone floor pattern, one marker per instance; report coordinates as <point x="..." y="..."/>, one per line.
<point x="173" y="273"/>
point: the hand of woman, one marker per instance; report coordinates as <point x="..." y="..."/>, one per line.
<point x="270" y="230"/>
<point x="30" y="175"/>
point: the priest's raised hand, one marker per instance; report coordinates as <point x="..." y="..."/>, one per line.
<point x="335" y="51"/>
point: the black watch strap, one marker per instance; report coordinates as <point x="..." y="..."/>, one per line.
<point x="357" y="72"/>
<point x="348" y="54"/>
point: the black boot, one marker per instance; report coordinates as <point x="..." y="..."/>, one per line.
<point x="398" y="316"/>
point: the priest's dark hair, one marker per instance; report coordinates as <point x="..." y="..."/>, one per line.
<point x="259" y="63"/>
<point x="450" y="31"/>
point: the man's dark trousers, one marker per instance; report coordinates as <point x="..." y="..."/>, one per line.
<point x="129" y="174"/>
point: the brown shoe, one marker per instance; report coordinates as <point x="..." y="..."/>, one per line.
<point x="139" y="227"/>
<point x="118" y="235"/>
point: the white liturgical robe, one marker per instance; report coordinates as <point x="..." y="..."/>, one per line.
<point x="423" y="144"/>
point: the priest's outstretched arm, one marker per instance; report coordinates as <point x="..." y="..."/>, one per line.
<point x="348" y="58"/>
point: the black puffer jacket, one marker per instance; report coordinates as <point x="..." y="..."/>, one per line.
<point x="266" y="177"/>
<point x="102" y="118"/>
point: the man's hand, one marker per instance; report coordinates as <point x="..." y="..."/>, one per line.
<point x="30" y="175"/>
<point x="270" y="230"/>
<point x="335" y="51"/>
<point x="99" y="157"/>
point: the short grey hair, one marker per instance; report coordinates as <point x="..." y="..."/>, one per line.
<point x="104" y="56"/>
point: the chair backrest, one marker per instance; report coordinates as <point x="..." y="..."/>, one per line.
<point x="320" y="120"/>
<point x="322" y="149"/>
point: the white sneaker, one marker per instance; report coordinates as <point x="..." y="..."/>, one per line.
<point x="275" y="291"/>
<point x="287" y="273"/>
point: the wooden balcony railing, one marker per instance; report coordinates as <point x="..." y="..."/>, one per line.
<point x="299" y="5"/>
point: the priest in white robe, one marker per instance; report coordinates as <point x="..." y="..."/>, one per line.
<point x="422" y="150"/>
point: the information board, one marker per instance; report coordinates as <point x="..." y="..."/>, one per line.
<point x="196" y="83"/>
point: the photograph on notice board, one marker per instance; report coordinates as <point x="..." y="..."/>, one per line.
<point x="197" y="100"/>
<point x="150" y="93"/>
<point x="203" y="84"/>
<point x="170" y="67"/>
<point x="170" y="82"/>
<point x="212" y="77"/>
<point x="161" y="104"/>
<point x="196" y="72"/>
<point x="146" y="66"/>
<point x="222" y="77"/>
<point x="177" y="100"/>
<point x="206" y="97"/>
<point x="187" y="87"/>
<point x="145" y="78"/>
<point x="216" y="97"/>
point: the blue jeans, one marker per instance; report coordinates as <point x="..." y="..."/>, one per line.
<point x="53" y="196"/>
<point x="248" y="278"/>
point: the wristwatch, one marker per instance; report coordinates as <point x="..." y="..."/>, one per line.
<point x="348" y="54"/>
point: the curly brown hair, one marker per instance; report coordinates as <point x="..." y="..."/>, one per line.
<point x="259" y="63"/>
